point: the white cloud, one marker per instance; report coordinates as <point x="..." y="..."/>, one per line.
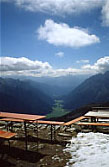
<point x="102" y="65"/>
<point x="105" y="14"/>
<point x="60" y="34"/>
<point x="82" y="61"/>
<point x="25" y="67"/>
<point x="63" y="7"/>
<point x="60" y="54"/>
<point x="58" y="6"/>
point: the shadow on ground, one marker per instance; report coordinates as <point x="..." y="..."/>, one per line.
<point x="41" y="140"/>
<point x="16" y="153"/>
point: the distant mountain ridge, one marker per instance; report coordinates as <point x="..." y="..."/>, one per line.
<point x="93" y="90"/>
<point x="24" y="97"/>
<point x="56" y="86"/>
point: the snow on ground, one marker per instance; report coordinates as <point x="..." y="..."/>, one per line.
<point x="89" y="150"/>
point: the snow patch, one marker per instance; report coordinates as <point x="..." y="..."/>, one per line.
<point x="89" y="149"/>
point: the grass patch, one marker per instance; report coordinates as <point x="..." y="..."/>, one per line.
<point x="57" y="110"/>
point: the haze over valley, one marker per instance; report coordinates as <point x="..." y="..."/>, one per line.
<point x="38" y="96"/>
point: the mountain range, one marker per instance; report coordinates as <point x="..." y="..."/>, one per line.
<point x="23" y="97"/>
<point x="93" y="90"/>
<point x="56" y="86"/>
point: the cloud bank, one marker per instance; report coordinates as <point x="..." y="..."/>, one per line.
<point x="105" y="14"/>
<point x="25" y="67"/>
<point x="63" y="7"/>
<point x="60" y="34"/>
<point x="58" y="6"/>
<point x="101" y="66"/>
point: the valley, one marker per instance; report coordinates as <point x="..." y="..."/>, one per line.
<point x="29" y="96"/>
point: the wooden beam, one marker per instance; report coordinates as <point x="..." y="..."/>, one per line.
<point x="74" y="121"/>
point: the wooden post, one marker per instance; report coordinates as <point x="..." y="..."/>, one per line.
<point x="25" y="135"/>
<point x="37" y="134"/>
<point x="93" y="119"/>
<point x="51" y="132"/>
<point x="54" y="133"/>
<point x="93" y="128"/>
<point x="7" y="124"/>
<point x="9" y="144"/>
<point x="11" y="126"/>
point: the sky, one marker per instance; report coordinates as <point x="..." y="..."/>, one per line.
<point x="54" y="37"/>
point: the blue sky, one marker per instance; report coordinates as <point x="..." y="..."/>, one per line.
<point x="54" y="38"/>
